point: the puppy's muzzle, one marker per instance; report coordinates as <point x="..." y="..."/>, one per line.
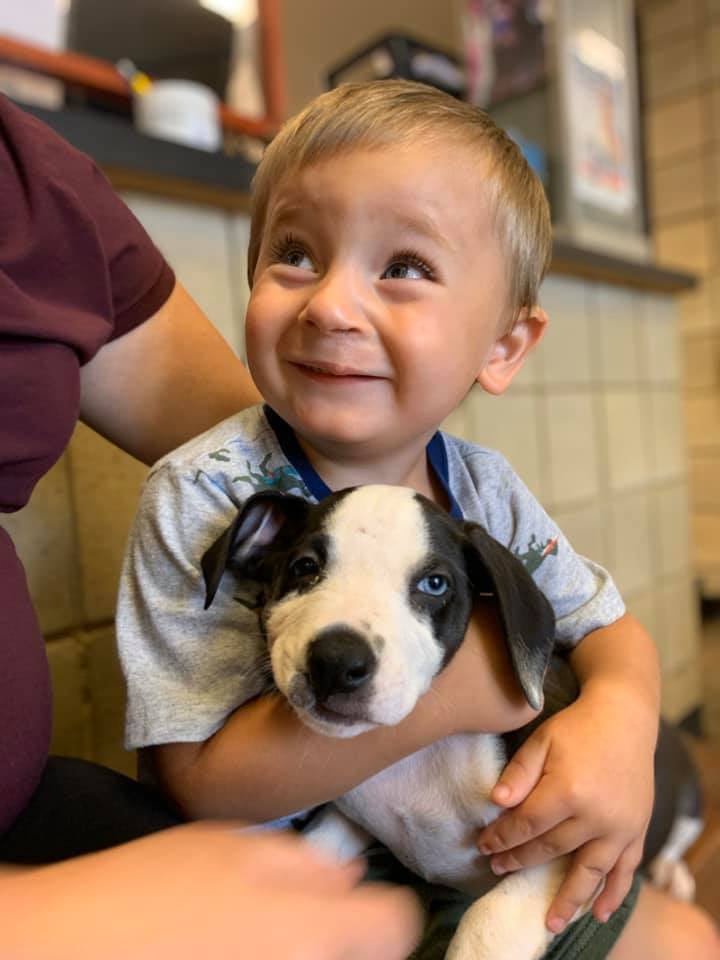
<point x="340" y="662"/>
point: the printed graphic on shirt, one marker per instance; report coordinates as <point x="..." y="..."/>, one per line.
<point x="221" y="454"/>
<point x="536" y="552"/>
<point x="284" y="478"/>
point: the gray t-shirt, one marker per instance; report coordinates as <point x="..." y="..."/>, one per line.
<point x="187" y="668"/>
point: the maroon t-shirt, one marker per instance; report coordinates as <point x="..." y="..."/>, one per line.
<point x="76" y="270"/>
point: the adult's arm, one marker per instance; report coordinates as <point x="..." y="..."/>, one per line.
<point x="203" y="890"/>
<point x="165" y="381"/>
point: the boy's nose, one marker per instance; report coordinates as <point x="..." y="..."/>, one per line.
<point x="335" y="305"/>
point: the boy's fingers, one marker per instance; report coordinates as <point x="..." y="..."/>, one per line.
<point x="589" y="869"/>
<point x="543" y="811"/>
<point x="618" y="883"/>
<point x="521" y="774"/>
<point x="563" y="839"/>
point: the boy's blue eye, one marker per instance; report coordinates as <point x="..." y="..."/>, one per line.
<point x="403" y="271"/>
<point x="299" y="259"/>
<point x="407" y="266"/>
<point x="291" y="252"/>
<point x="434" y="584"/>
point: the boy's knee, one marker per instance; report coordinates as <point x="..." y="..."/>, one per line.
<point x="662" y="928"/>
<point x="705" y="933"/>
<point x="690" y="933"/>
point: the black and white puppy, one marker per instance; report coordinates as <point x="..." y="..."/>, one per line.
<point x="365" y="598"/>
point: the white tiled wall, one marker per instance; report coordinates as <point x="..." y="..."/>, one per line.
<point x="571" y="459"/>
<point x="206" y="247"/>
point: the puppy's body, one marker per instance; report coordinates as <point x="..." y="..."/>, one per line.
<point x="366" y="597"/>
<point x="429" y="807"/>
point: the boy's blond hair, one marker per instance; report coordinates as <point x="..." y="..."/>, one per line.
<point x="396" y="112"/>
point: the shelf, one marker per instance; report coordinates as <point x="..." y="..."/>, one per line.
<point x="133" y="161"/>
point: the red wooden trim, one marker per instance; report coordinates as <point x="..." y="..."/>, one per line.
<point x="272" y="60"/>
<point x="73" y="68"/>
<point x="80" y="70"/>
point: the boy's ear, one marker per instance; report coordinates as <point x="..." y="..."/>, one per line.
<point x="510" y="350"/>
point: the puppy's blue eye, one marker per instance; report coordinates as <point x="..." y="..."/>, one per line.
<point x="305" y="567"/>
<point x="434" y="584"/>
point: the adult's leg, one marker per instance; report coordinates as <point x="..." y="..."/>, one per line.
<point x="80" y="807"/>
<point x="662" y="928"/>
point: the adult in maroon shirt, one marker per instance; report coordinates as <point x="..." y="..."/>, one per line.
<point x="78" y="273"/>
<point x="93" y="325"/>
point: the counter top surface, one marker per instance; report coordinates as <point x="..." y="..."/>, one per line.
<point x="133" y="161"/>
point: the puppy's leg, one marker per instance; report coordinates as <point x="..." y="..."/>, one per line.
<point x="508" y="923"/>
<point x="668" y="871"/>
<point x="332" y="832"/>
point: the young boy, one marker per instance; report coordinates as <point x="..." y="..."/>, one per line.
<point x="398" y="243"/>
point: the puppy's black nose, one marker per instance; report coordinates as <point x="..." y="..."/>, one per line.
<point x="339" y="661"/>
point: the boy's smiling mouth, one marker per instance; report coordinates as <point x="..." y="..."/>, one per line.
<point x="333" y="371"/>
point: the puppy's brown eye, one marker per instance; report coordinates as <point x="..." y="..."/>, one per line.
<point x="304" y="567"/>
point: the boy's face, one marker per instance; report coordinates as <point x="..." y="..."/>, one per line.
<point x="379" y="296"/>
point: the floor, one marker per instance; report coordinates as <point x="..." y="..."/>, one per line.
<point x="704" y="858"/>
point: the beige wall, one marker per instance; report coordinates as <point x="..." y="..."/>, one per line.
<point x="681" y="54"/>
<point x="593" y="424"/>
<point x="318" y="34"/>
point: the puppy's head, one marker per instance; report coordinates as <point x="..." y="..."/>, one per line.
<point x="367" y="597"/>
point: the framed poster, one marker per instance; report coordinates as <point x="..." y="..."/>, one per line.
<point x="601" y="166"/>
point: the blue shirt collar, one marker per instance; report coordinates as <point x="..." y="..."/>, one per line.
<point x="436" y="454"/>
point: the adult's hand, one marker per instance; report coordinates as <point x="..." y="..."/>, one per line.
<point x="204" y="890"/>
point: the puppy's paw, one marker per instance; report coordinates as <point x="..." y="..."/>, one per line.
<point x="673" y="877"/>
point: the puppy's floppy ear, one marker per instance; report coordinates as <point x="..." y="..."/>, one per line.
<point x="525" y="613"/>
<point x="249" y="537"/>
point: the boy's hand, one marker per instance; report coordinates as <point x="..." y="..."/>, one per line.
<point x="582" y="782"/>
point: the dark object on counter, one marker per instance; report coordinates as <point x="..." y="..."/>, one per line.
<point x="167" y="39"/>
<point x="398" y="55"/>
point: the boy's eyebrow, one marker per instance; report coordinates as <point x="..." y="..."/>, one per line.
<point x="282" y="213"/>
<point x="419" y="223"/>
<point x="425" y="226"/>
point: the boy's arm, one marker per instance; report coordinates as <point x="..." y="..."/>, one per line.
<point x="584" y="781"/>
<point x="264" y="763"/>
<point x="621" y="658"/>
